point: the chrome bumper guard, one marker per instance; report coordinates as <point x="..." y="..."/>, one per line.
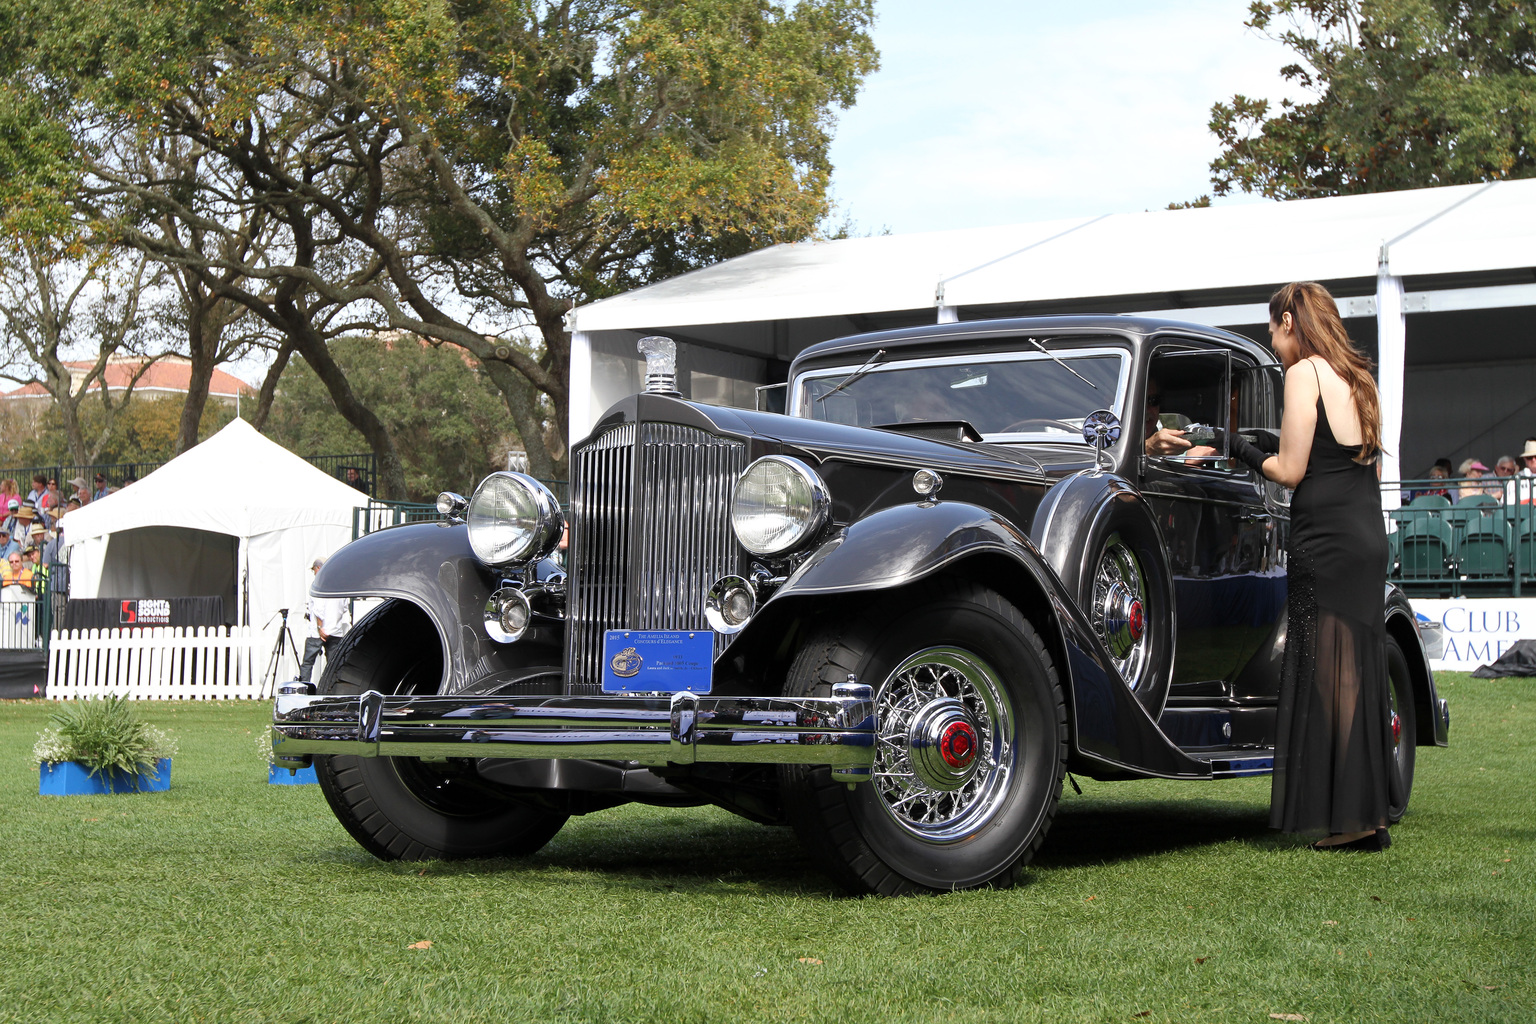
<point x="681" y="729"/>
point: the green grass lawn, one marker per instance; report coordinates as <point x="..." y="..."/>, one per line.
<point x="226" y="899"/>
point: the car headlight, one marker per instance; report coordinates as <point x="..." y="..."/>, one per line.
<point x="779" y="503"/>
<point x="513" y="518"/>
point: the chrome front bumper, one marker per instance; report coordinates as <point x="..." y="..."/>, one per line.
<point x="681" y="729"/>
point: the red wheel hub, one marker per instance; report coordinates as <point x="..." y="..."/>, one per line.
<point x="1397" y="728"/>
<point x="957" y="745"/>
<point x="1136" y="621"/>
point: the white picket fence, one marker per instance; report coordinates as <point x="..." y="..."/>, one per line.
<point x="168" y="663"/>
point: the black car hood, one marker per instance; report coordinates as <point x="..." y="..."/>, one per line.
<point x="820" y="441"/>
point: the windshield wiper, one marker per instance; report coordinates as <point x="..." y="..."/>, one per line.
<point x="1059" y="362"/>
<point x="869" y="364"/>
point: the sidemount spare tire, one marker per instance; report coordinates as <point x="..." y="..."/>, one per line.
<point x="1102" y="539"/>
<point x="971" y="751"/>
<point x="400" y="808"/>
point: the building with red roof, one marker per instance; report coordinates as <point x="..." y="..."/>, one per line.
<point x="165" y="377"/>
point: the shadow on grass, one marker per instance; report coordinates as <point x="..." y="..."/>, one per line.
<point x="1095" y="833"/>
<point x="667" y="850"/>
<point x="646" y="850"/>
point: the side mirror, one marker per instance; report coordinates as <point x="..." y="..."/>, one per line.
<point x="1101" y="429"/>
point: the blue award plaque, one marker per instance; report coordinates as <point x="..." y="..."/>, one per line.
<point x="658" y="661"/>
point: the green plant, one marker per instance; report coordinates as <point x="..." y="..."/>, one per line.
<point x="102" y="734"/>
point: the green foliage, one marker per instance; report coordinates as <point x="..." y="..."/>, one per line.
<point x="1406" y="94"/>
<point x="144" y="431"/>
<point x="104" y="734"/>
<point x="444" y="414"/>
<point x="519" y="155"/>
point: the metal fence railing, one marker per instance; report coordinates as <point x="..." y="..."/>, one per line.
<point x="28" y="614"/>
<point x="380" y="515"/>
<point x="1464" y="536"/>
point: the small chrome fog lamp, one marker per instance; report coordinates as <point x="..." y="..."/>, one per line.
<point x="507" y="615"/>
<point x="729" y="604"/>
<point x="926" y="482"/>
<point x="451" y="505"/>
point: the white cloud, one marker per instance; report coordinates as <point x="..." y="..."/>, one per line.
<point x="1020" y="112"/>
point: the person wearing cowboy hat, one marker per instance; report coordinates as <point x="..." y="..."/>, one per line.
<point x="1525" y="488"/>
<point x="78" y="483"/>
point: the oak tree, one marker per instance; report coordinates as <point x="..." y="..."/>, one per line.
<point x="1399" y="94"/>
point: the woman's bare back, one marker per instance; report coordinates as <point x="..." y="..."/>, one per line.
<point x="1338" y="403"/>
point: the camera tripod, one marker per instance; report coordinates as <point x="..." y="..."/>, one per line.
<point x="269" y="679"/>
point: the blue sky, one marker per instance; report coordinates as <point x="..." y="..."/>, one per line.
<point x="990" y="112"/>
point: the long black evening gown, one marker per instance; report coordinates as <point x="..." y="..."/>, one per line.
<point x="1331" y="761"/>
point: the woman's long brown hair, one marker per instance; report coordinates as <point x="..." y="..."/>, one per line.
<point x="1320" y="332"/>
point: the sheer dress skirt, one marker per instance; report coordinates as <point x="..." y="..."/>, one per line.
<point x="1331" y="764"/>
<point x="1332" y="757"/>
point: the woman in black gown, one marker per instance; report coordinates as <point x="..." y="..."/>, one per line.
<point x="1331" y="760"/>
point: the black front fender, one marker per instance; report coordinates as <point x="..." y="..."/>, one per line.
<point x="431" y="566"/>
<point x="901" y="546"/>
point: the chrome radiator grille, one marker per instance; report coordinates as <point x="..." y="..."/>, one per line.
<point x="650" y="531"/>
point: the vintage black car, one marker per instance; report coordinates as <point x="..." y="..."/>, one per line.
<point x="894" y="617"/>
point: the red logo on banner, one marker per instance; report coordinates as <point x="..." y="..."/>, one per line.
<point x="130" y="613"/>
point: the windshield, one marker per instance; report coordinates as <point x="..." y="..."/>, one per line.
<point x="1015" y="396"/>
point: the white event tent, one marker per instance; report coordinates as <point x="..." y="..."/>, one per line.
<point x="1438" y="285"/>
<point x="238" y="516"/>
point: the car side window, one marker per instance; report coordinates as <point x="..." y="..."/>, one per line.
<point x="1194" y="391"/>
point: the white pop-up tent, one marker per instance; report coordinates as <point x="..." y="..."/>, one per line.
<point x="238" y="516"/>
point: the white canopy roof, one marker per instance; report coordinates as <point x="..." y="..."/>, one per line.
<point x="1449" y="230"/>
<point x="237" y="482"/>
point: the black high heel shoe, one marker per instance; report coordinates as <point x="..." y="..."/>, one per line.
<point x="1373" y="843"/>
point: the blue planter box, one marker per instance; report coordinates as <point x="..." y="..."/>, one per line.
<point x="283" y="777"/>
<point x="68" y="778"/>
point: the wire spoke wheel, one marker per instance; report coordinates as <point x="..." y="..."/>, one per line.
<point x="1118" y="610"/>
<point x="927" y="811"/>
<point x="970" y="748"/>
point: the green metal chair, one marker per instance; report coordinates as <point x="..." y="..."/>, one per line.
<point x="1483" y="552"/>
<point x="1426" y="548"/>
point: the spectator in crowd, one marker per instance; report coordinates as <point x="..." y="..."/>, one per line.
<point x="1505" y="469"/>
<point x="1471" y="470"/>
<point x="51" y="544"/>
<point x="52" y="499"/>
<point x="11" y="510"/>
<point x="355" y="479"/>
<point x="7" y="545"/>
<point x="8" y="491"/>
<point x="78" y="483"/>
<point x="16" y="572"/>
<point x="102" y="489"/>
<point x="39" y="485"/>
<point x="1436" y="472"/>
<point x="129" y="479"/>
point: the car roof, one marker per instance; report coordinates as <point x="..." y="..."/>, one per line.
<point x="975" y="335"/>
